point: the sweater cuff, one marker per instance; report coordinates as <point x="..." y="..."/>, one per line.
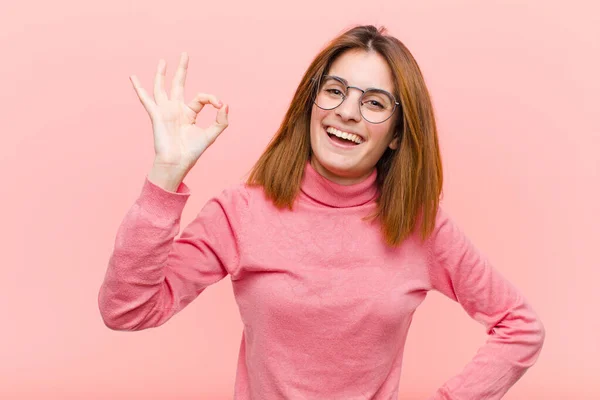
<point x="162" y="202"/>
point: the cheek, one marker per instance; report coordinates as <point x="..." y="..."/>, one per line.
<point x="379" y="133"/>
<point x="385" y="131"/>
<point x="316" y="116"/>
<point x="316" y="119"/>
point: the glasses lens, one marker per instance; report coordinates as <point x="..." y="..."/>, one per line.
<point x="330" y="94"/>
<point x="376" y="105"/>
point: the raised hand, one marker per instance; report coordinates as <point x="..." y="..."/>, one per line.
<point x="178" y="142"/>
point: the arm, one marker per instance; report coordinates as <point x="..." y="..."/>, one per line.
<point x="151" y="275"/>
<point x="516" y="334"/>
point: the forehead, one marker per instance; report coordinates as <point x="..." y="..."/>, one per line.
<point x="363" y="69"/>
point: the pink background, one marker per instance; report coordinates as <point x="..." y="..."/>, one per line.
<point x="515" y="85"/>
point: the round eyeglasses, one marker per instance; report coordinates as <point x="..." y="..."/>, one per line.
<point x="376" y="105"/>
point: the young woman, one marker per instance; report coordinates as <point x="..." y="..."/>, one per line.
<point x="331" y="244"/>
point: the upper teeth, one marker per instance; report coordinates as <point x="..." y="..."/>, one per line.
<point x="344" y="135"/>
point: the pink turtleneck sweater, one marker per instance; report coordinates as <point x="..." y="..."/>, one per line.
<point x="326" y="305"/>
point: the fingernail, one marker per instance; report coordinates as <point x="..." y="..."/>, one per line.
<point x="227" y="109"/>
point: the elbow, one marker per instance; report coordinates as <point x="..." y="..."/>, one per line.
<point x="537" y="337"/>
<point x="111" y="316"/>
<point x="118" y="317"/>
<point x="132" y="313"/>
<point x="541" y="333"/>
<point x="116" y="323"/>
<point x="533" y="332"/>
<point x="112" y="324"/>
<point x="107" y="312"/>
<point x="112" y="321"/>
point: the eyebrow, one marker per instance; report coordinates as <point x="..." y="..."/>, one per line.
<point x="346" y="83"/>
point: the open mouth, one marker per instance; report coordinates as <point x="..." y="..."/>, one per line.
<point x="342" y="138"/>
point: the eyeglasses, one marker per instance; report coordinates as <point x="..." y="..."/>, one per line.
<point x="376" y="105"/>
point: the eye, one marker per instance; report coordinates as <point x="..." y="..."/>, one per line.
<point x="336" y="92"/>
<point x="374" y="103"/>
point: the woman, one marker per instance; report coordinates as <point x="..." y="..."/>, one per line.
<point x="331" y="244"/>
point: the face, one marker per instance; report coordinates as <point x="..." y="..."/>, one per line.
<point x="347" y="164"/>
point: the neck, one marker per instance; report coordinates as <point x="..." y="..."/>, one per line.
<point x="339" y="179"/>
<point x="320" y="189"/>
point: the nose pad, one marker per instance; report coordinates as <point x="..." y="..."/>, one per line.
<point x="350" y="107"/>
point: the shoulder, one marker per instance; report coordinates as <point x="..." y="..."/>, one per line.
<point x="441" y="221"/>
<point x="231" y="199"/>
<point x="446" y="232"/>
<point x="241" y="196"/>
<point x="237" y="193"/>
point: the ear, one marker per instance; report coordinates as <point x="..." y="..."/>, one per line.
<point x="394" y="143"/>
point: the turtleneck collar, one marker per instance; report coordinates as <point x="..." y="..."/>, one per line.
<point x="332" y="194"/>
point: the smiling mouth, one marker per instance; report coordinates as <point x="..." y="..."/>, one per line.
<point x="342" y="137"/>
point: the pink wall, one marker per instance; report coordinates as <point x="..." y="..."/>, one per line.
<point x="515" y="85"/>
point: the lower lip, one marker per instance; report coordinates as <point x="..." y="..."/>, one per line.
<point x="340" y="145"/>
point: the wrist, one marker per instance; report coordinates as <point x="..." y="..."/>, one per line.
<point x="168" y="177"/>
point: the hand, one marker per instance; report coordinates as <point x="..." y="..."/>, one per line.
<point x="178" y="142"/>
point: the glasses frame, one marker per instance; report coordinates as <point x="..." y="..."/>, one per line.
<point x="348" y="87"/>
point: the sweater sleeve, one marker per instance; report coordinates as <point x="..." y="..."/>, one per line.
<point x="515" y="333"/>
<point x="151" y="276"/>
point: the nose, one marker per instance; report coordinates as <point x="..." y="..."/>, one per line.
<point x="350" y="107"/>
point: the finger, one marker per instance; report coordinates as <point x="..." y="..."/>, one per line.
<point x="160" y="94"/>
<point x="222" y="122"/>
<point x="177" y="88"/>
<point x="142" y="94"/>
<point x="202" y="99"/>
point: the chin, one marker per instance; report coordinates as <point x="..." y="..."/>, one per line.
<point x="336" y="169"/>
